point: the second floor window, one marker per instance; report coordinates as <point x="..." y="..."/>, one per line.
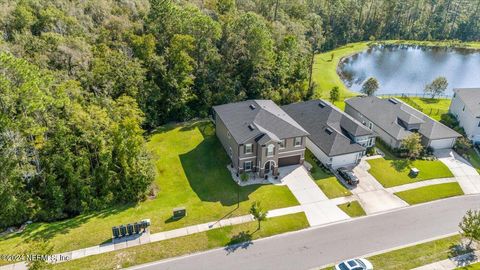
<point x="282" y="144"/>
<point x="270" y="150"/>
<point x="248" y="148"/>
<point x="298" y="141"/>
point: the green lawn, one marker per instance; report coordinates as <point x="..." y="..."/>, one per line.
<point x="430" y="193"/>
<point x="353" y="209"/>
<point x="391" y="171"/>
<point x="327" y="182"/>
<point x="434" y="108"/>
<point x="415" y="256"/>
<point x="475" y="266"/>
<point x="189" y="244"/>
<point x="191" y="166"/>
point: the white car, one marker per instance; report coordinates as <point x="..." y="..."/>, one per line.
<point x="354" y="264"/>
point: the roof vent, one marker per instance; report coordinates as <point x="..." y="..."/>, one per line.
<point x="252" y="106"/>
<point x="392" y="100"/>
<point x="329" y="130"/>
<point x="322" y="104"/>
<point x="251" y="127"/>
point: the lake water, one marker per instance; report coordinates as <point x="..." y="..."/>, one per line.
<point x="407" y="69"/>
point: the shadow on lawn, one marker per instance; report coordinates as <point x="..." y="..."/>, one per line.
<point x="400" y="164"/>
<point x="241" y="240"/>
<point x="462" y="254"/>
<point x="206" y="170"/>
<point x="35" y="231"/>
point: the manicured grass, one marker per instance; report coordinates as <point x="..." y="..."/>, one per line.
<point x="473" y="158"/>
<point x="415" y="256"/>
<point x="391" y="171"/>
<point x="434" y="108"/>
<point x="475" y="266"/>
<point x="395" y="172"/>
<point x="430" y="193"/>
<point x="191" y="172"/>
<point x="327" y="182"/>
<point x="189" y="244"/>
<point x="353" y="209"/>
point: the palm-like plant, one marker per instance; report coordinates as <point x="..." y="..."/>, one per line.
<point x="258" y="213"/>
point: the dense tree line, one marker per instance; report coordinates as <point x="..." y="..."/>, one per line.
<point x="80" y="79"/>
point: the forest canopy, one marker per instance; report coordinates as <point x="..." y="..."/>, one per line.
<point x="80" y="81"/>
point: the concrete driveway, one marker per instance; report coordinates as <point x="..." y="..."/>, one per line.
<point x="371" y="194"/>
<point x="466" y="175"/>
<point x="317" y="207"/>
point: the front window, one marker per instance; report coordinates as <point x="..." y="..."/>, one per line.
<point x="270" y="150"/>
<point x="248" y="148"/>
<point x="247" y="165"/>
<point x="298" y="141"/>
<point x="282" y="144"/>
<point x="230" y="152"/>
<point x="370" y="125"/>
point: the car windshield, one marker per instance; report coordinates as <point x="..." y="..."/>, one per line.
<point x="343" y="266"/>
<point x="352" y="263"/>
<point x="361" y="264"/>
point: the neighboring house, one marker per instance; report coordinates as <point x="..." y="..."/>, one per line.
<point x="466" y="108"/>
<point x="336" y="139"/>
<point x="393" y="120"/>
<point x="259" y="136"/>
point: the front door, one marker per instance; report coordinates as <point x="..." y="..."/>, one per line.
<point x="268" y="167"/>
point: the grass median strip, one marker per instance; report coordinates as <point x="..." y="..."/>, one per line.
<point x="353" y="209"/>
<point x="430" y="193"/>
<point x="415" y="256"/>
<point x="243" y="233"/>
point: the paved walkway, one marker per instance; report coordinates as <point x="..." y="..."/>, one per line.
<point x="467" y="176"/>
<point x="421" y="184"/>
<point x="317" y="207"/>
<point x="452" y="263"/>
<point x="373" y="197"/>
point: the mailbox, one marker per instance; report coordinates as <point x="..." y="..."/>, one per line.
<point x="115" y="232"/>
<point x="130" y="229"/>
<point x="137" y="227"/>
<point x="123" y="230"/>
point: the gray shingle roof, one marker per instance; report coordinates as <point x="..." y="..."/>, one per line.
<point x="384" y="114"/>
<point x="263" y="115"/>
<point x="328" y="126"/>
<point x="470" y="97"/>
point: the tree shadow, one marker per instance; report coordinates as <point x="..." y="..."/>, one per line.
<point x="205" y="167"/>
<point x="462" y="254"/>
<point x="430" y="100"/>
<point x="241" y="240"/>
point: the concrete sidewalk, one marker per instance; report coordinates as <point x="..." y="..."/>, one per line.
<point x="421" y="184"/>
<point x="452" y="263"/>
<point x="316" y="205"/>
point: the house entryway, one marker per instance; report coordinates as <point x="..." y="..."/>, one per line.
<point x="269" y="166"/>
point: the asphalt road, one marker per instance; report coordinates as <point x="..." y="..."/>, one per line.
<point x="323" y="245"/>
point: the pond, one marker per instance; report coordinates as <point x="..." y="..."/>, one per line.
<point x="407" y="69"/>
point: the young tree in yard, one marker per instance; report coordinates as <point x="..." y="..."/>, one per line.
<point x="334" y="94"/>
<point x="370" y="86"/>
<point x="437" y="87"/>
<point x="258" y="213"/>
<point x="412" y="144"/>
<point x="470" y="226"/>
<point x="39" y="248"/>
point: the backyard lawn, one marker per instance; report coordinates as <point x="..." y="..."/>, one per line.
<point x="327" y="182"/>
<point x="191" y="172"/>
<point x="434" y="108"/>
<point x="430" y="193"/>
<point x="353" y="209"/>
<point x="189" y="244"/>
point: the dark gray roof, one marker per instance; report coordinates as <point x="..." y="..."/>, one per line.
<point x="253" y="118"/>
<point x="385" y="112"/>
<point x="329" y="127"/>
<point x="470" y="97"/>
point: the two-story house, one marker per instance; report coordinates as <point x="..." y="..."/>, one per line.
<point x="336" y="139"/>
<point x="259" y="136"/>
<point x="465" y="107"/>
<point x="393" y="120"/>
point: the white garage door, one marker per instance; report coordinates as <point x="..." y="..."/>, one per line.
<point x="442" y="144"/>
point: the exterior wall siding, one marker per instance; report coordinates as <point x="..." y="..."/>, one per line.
<point x="227" y="141"/>
<point x="336" y="161"/>
<point x="466" y="118"/>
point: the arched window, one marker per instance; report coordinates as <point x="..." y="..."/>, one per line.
<point x="270" y="150"/>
